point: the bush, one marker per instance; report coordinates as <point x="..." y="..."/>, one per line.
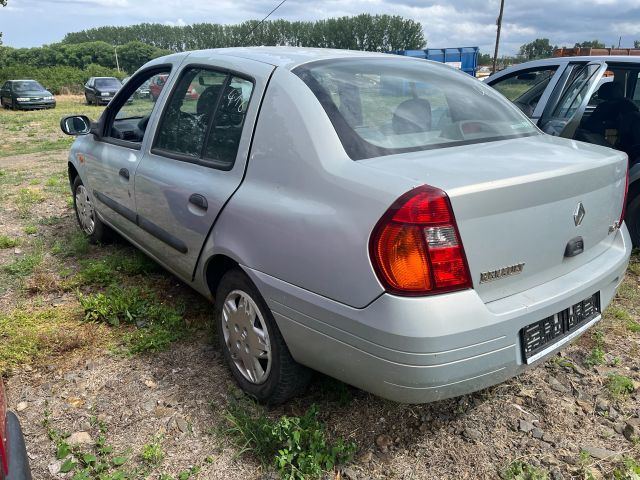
<point x="59" y="80"/>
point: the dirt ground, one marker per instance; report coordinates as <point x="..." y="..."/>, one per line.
<point x="547" y="418"/>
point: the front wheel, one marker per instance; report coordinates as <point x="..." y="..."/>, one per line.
<point x="632" y="219"/>
<point x="252" y="344"/>
<point x="91" y="225"/>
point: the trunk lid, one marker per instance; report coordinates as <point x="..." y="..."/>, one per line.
<point x="514" y="202"/>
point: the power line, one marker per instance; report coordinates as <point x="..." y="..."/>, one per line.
<point x="262" y="21"/>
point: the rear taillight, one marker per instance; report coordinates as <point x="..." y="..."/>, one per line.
<point x="415" y="247"/>
<point x="624" y="201"/>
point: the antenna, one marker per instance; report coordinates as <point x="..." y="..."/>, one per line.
<point x="262" y="21"/>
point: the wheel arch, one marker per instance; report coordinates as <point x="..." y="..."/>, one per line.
<point x="214" y="269"/>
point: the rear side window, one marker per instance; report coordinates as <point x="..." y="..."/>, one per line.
<point x="383" y="106"/>
<point x="204" y="117"/>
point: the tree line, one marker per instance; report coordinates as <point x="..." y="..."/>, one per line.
<point x="360" y="32"/>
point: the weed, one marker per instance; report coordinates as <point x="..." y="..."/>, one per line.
<point x="152" y="453"/>
<point x="107" y="270"/>
<point x="6" y="242"/>
<point x="633" y="326"/>
<point x="52" y="182"/>
<point x="157" y="325"/>
<point x="26" y="199"/>
<point x="26" y="335"/>
<point x="519" y="470"/>
<point x="597" y="354"/>
<point x="30" y="229"/>
<point x="619" y="385"/>
<point x="297" y="445"/>
<point x="618" y="313"/>
<point x="24" y="265"/>
<point x="96" y="272"/>
<point x="629" y="470"/>
<point x="75" y="244"/>
<point x="50" y="220"/>
<point x="34" y="181"/>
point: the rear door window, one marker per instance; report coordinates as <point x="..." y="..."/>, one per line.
<point x="204" y="118"/>
<point x="526" y="87"/>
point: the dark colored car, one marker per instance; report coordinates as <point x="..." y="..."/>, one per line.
<point x="591" y="99"/>
<point x="14" y="462"/>
<point x="100" y="90"/>
<point x="25" y="95"/>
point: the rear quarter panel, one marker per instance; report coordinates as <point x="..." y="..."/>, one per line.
<point x="305" y="210"/>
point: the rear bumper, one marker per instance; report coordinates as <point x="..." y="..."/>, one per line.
<point x="419" y="350"/>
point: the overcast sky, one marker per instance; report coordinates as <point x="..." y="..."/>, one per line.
<point x="28" y="23"/>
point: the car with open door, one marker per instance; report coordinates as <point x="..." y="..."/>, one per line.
<point x="591" y="99"/>
<point x="388" y="221"/>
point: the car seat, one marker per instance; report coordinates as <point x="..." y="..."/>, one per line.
<point x="608" y="114"/>
<point x="412" y="116"/>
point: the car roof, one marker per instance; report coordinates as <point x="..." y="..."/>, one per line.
<point x="563" y="60"/>
<point x="289" y="57"/>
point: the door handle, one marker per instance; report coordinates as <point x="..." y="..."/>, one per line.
<point x="124" y="173"/>
<point x="199" y="201"/>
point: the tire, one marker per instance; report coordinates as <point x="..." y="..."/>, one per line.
<point x="632" y="218"/>
<point x="88" y="220"/>
<point x="277" y="377"/>
<point x="17" y="454"/>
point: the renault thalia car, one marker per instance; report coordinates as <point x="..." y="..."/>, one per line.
<point x="388" y="221"/>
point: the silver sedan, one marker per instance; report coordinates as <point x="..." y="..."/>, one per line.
<point x="388" y="221"/>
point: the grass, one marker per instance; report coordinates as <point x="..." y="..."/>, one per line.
<point x="7" y="242"/>
<point x="23" y="266"/>
<point x="597" y="354"/>
<point x="27" y="335"/>
<point x="107" y="270"/>
<point x="155" y="324"/>
<point x="152" y="453"/>
<point x="30" y="229"/>
<point x="296" y="446"/>
<point x="628" y="470"/>
<point x="37" y="131"/>
<point x="26" y="199"/>
<point x="620" y="386"/>
<point x="519" y="470"/>
<point x="75" y="244"/>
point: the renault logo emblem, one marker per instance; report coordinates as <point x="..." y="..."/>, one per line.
<point x="578" y="215"/>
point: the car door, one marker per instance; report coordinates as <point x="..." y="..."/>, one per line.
<point x="566" y="106"/>
<point x="87" y="89"/>
<point x="114" y="154"/>
<point x="529" y="88"/>
<point x="198" y="156"/>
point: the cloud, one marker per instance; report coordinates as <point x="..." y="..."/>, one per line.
<point x="459" y="23"/>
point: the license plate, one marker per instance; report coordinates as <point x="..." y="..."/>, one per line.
<point x="544" y="335"/>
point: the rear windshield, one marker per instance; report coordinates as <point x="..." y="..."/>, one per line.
<point x="383" y="106"/>
<point x="108" y="83"/>
<point x="26" y="86"/>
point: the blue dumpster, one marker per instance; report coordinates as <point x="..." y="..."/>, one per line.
<point x="462" y="58"/>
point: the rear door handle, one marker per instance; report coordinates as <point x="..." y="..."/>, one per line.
<point x="199" y="201"/>
<point x="124" y="173"/>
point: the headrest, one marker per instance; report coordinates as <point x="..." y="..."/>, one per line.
<point x="412" y="116"/>
<point x="610" y="91"/>
<point x="207" y="99"/>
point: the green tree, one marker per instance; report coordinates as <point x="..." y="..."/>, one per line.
<point x="539" y="48"/>
<point x="636" y="44"/>
<point x="4" y="4"/>
<point x="590" y="44"/>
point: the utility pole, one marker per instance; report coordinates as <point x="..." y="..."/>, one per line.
<point x="117" y="63"/>
<point x="499" y="24"/>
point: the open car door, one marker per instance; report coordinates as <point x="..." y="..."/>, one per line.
<point x="562" y="118"/>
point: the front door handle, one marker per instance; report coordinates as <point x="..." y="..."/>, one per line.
<point x="124" y="173"/>
<point x="199" y="201"/>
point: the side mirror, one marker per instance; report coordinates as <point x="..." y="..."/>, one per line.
<point x="76" y="125"/>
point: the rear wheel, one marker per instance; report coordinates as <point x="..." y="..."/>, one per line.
<point x="91" y="225"/>
<point x="632" y="219"/>
<point x="252" y="344"/>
